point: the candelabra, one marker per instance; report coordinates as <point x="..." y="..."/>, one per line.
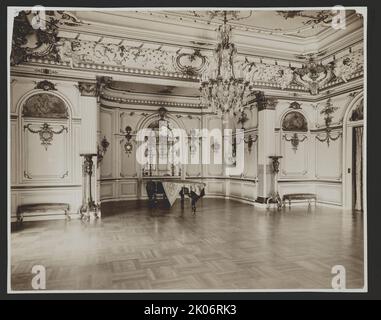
<point x="89" y="208"/>
<point x="275" y="197"/>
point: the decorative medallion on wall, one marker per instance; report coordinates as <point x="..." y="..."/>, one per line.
<point x="190" y="64"/>
<point x="45" y="85"/>
<point x="45" y="105"/>
<point x="128" y="136"/>
<point x="46" y="133"/>
<point x="294" y="121"/>
<point x="295" y="140"/>
<point x="358" y="112"/>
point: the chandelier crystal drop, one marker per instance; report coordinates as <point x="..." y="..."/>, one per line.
<point x="225" y="87"/>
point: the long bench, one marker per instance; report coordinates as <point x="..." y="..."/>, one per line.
<point x="37" y="209"/>
<point x="299" y="196"/>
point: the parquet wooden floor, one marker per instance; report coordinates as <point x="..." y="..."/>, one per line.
<point x="227" y="245"/>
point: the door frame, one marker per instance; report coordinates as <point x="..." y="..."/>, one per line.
<point x="347" y="173"/>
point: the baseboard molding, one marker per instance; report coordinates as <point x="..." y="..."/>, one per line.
<point x="233" y="198"/>
<point x="262" y="206"/>
<point x="330" y="204"/>
<point x="46" y="217"/>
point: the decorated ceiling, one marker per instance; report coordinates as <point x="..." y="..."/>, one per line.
<point x="296" y="23"/>
<point x="67" y="41"/>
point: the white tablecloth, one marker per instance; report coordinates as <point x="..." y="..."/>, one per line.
<point x="172" y="189"/>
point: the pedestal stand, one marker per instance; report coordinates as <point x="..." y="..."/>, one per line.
<point x="275" y="197"/>
<point x="89" y="208"/>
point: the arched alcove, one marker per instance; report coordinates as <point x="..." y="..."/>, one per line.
<point x="294" y="133"/>
<point x="45" y="137"/>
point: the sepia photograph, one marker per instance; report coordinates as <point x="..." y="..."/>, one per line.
<point x="187" y="149"/>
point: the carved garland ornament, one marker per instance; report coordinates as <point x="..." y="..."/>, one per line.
<point x="46" y="133"/>
<point x="295" y="140"/>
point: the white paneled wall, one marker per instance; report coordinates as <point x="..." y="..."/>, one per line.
<point x="311" y="167"/>
<point x="53" y="173"/>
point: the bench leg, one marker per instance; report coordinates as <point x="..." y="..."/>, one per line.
<point x="67" y="215"/>
<point x="20" y="218"/>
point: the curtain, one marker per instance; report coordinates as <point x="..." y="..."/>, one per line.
<point x="358" y="168"/>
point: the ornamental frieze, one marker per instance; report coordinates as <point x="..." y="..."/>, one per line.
<point x="312" y="76"/>
<point x="166" y="61"/>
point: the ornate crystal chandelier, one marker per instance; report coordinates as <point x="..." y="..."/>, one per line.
<point x="225" y="87"/>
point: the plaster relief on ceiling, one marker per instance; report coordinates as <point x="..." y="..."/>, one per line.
<point x="281" y="76"/>
<point x="293" y="23"/>
<point x="312" y="76"/>
<point x="191" y="63"/>
<point x="80" y="51"/>
<point x="35" y="34"/>
<point x="349" y="65"/>
<point x="162" y="60"/>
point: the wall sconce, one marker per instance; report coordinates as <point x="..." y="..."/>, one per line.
<point x="215" y="147"/>
<point x="250" y="141"/>
<point x="102" y="149"/>
<point x="295" y="140"/>
<point x="243" y="119"/>
<point x="328" y="110"/>
<point x="193" y="142"/>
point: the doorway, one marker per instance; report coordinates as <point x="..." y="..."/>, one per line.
<point x="353" y="160"/>
<point x="357" y="164"/>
